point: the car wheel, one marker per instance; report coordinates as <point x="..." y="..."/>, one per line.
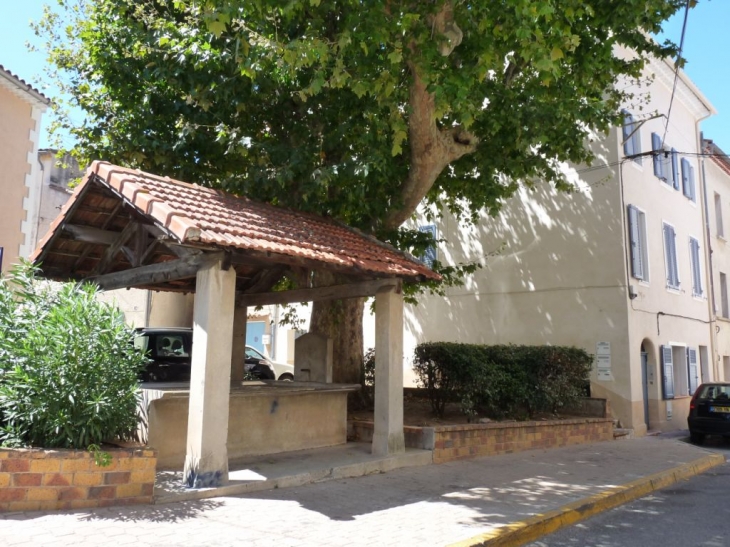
<point x="696" y="438"/>
<point x="286" y="377"/>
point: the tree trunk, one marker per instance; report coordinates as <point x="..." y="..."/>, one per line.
<point x="340" y="320"/>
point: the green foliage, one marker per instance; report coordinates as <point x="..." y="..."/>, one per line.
<point x="502" y="380"/>
<point x="68" y="369"/>
<point x="308" y="104"/>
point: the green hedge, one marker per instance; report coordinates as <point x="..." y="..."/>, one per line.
<point x="505" y="380"/>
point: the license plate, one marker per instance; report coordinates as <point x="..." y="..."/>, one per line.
<point x="720" y="409"/>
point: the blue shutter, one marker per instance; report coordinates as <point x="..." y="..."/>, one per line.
<point x="627" y="128"/>
<point x="692" y="188"/>
<point x="670" y="250"/>
<point x="685" y="177"/>
<point x="637" y="262"/>
<point x="429" y="255"/>
<point x="656" y="146"/>
<point x="667" y="372"/>
<point x="675" y="169"/>
<point x="692" y="370"/>
<point x="694" y="248"/>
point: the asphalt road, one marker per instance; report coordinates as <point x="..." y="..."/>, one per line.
<point x="691" y="513"/>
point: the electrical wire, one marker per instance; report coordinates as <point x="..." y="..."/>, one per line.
<point x="676" y="70"/>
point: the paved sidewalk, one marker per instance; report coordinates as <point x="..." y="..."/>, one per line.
<point x="431" y="505"/>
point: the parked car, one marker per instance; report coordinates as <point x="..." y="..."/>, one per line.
<point x="170" y="350"/>
<point x="709" y="412"/>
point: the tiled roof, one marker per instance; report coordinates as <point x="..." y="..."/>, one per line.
<point x="201" y="216"/>
<point x="21" y="85"/>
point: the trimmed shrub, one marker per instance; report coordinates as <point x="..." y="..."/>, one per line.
<point x="502" y="380"/>
<point x="68" y="368"/>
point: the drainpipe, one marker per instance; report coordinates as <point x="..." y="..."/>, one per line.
<point x="709" y="273"/>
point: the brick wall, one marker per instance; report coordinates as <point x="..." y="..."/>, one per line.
<point x="456" y="442"/>
<point x="35" y="479"/>
<point x="469" y="441"/>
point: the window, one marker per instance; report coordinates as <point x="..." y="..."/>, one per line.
<point x="662" y="159"/>
<point x="637" y="241"/>
<point x="1" y="259"/>
<point x="688" y="180"/>
<point x="679" y="371"/>
<point x="631" y="140"/>
<point x="429" y="255"/>
<point x="694" y="253"/>
<point x="670" y="257"/>
<point x="723" y="295"/>
<point x="718" y="216"/>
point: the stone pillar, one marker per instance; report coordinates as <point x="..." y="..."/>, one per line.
<point x="388" y="418"/>
<point x="206" y="459"/>
<point x="238" y="351"/>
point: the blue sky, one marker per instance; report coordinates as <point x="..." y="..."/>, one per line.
<point x="707" y="48"/>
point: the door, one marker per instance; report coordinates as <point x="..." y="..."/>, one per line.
<point x="255" y="335"/>
<point x="645" y="385"/>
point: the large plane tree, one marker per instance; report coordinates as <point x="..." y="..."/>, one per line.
<point x="361" y="110"/>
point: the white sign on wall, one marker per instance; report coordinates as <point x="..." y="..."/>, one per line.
<point x="603" y="360"/>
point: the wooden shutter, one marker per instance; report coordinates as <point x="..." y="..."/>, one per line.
<point x="692" y="369"/>
<point x="692" y="187"/>
<point x="670" y="249"/>
<point x="429" y="255"/>
<point x="685" y="178"/>
<point x="694" y="253"/>
<point x="637" y="255"/>
<point x="675" y="169"/>
<point x="628" y="127"/>
<point x="656" y="146"/>
<point x="667" y="372"/>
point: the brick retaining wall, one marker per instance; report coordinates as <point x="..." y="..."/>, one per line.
<point x="456" y="442"/>
<point x="36" y="479"/>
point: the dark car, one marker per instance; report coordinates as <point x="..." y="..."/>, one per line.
<point x="709" y="412"/>
<point x="169" y="351"/>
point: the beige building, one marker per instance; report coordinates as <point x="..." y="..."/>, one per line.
<point x="618" y="267"/>
<point x="21" y="108"/>
<point x="716" y="168"/>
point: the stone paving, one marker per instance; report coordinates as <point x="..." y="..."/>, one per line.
<point x="432" y="505"/>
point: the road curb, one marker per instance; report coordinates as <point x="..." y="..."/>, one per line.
<point x="519" y="533"/>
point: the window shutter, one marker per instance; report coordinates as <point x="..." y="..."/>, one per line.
<point x="637" y="264"/>
<point x="627" y="128"/>
<point x="692" y="369"/>
<point x="671" y="257"/>
<point x="656" y="146"/>
<point x="685" y="177"/>
<point x="675" y="169"/>
<point x="429" y="255"/>
<point x="667" y="372"/>
<point x="694" y="248"/>
<point x="692" y="190"/>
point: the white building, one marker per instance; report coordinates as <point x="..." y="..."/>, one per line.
<point x="618" y="267"/>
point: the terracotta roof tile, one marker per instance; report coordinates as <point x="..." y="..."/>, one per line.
<point x="193" y="213"/>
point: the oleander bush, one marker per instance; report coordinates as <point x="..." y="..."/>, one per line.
<point x="68" y="368"/>
<point x="502" y="380"/>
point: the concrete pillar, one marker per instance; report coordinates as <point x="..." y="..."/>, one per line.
<point x="238" y="350"/>
<point x="206" y="460"/>
<point x="388" y="416"/>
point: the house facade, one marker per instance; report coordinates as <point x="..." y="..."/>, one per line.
<point x="618" y="267"/>
<point x="716" y="169"/>
<point x="21" y="108"/>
